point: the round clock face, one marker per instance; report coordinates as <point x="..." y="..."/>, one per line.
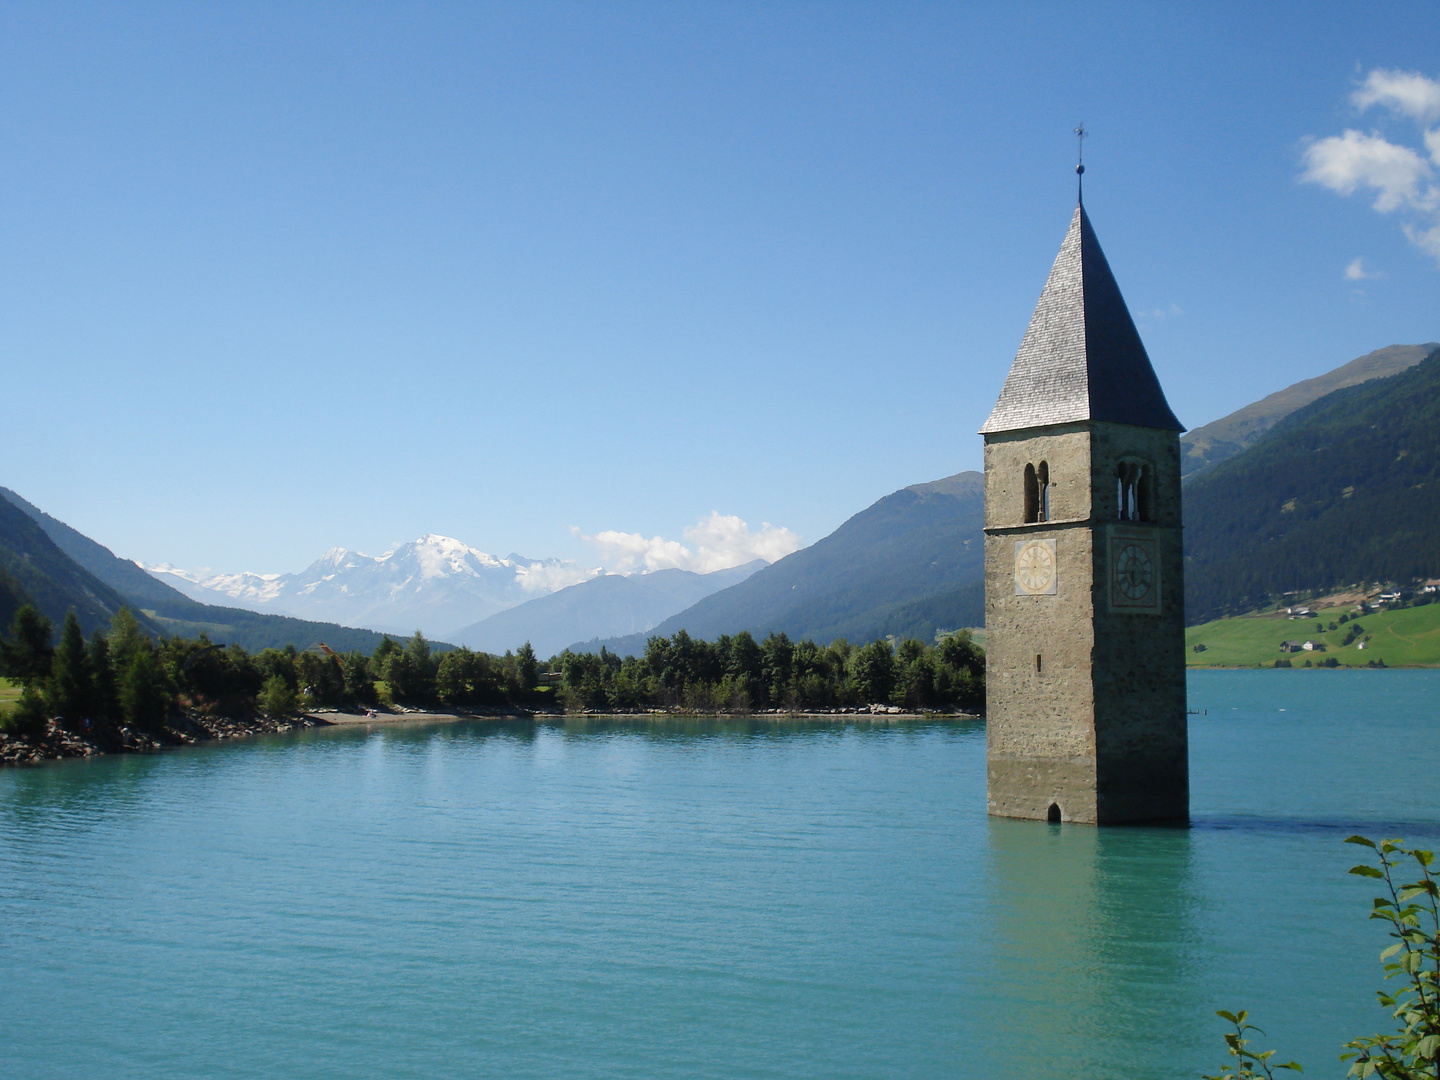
<point x="1035" y="567"/>
<point x="1133" y="572"/>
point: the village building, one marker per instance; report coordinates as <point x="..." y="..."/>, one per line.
<point x="1085" y="650"/>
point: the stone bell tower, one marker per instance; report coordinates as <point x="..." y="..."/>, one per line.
<point x="1084" y="600"/>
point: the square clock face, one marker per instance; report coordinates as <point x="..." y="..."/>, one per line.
<point x="1134" y="573"/>
<point x="1035" y="568"/>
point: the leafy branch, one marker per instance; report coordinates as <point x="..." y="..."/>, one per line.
<point x="1413" y="912"/>
<point x="1247" y="1065"/>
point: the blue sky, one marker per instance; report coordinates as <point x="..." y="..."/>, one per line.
<point x="277" y="278"/>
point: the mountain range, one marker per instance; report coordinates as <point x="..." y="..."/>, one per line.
<point x="45" y="562"/>
<point x="1327" y="482"/>
<point x="610" y="605"/>
<point x="907" y="566"/>
<point x="1343" y="491"/>
<point x="1224" y="438"/>
<point x="34" y="570"/>
<point x="436" y="584"/>
<point x="912" y="564"/>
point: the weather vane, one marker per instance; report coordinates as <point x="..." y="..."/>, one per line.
<point x="1080" y="134"/>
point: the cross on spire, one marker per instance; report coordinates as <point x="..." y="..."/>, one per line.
<point x="1080" y="134"/>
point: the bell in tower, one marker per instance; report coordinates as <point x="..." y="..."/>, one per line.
<point x="1084" y="599"/>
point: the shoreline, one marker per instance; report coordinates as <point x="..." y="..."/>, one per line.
<point x="58" y="742"/>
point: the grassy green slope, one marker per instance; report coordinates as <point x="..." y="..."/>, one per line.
<point x="9" y="694"/>
<point x="1409" y="637"/>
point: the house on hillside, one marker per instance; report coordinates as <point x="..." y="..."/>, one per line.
<point x="1292" y="646"/>
<point x="1299" y="613"/>
<point x="1314" y="646"/>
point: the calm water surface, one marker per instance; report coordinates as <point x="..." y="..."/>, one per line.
<point x="700" y="900"/>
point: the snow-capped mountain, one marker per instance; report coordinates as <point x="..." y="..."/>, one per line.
<point x="436" y="583"/>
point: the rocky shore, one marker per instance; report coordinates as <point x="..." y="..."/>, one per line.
<point x="61" y="740"/>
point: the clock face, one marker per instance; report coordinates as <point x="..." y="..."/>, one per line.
<point x="1034" y="567"/>
<point x="1134" y="572"/>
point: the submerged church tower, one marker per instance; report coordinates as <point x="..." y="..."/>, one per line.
<point x="1084" y="602"/>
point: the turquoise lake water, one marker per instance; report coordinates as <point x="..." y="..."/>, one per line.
<point x="712" y="899"/>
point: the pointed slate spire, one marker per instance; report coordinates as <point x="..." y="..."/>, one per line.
<point x="1081" y="358"/>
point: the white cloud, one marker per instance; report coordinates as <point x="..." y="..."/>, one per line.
<point x="1401" y="176"/>
<point x="723" y="540"/>
<point x="1358" y="271"/>
<point x="1426" y="239"/>
<point x="1353" y="160"/>
<point x="551" y="577"/>
<point x="1405" y="92"/>
<point x="717" y="542"/>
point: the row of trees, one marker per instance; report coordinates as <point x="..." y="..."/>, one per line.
<point x="117" y="675"/>
<point x="739" y="673"/>
<point x="121" y="676"/>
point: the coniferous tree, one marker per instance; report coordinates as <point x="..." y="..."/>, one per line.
<point x="106" y="700"/>
<point x="26" y="657"/>
<point x="420" y="668"/>
<point x="380" y="659"/>
<point x="125" y="639"/>
<point x="527" y="669"/>
<point x="144" y="689"/>
<point x="70" y="688"/>
<point x="359" y="683"/>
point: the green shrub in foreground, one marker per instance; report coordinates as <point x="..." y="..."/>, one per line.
<point x="1413" y="911"/>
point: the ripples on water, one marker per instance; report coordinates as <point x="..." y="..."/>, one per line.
<point x="708" y="899"/>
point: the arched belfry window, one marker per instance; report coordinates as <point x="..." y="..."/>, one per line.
<point x="1032" y="494"/>
<point x="1133" y="484"/>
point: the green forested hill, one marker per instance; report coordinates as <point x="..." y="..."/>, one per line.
<point x="36" y="570"/>
<point x="1224" y="438"/>
<point x="12" y="597"/>
<point x="1344" y="490"/>
<point x="57" y="568"/>
<point x="122" y="575"/>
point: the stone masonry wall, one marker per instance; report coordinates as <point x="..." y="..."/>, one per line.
<point x="1099" y="728"/>
<point x="1040" y="723"/>
<point x="1142" y="750"/>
